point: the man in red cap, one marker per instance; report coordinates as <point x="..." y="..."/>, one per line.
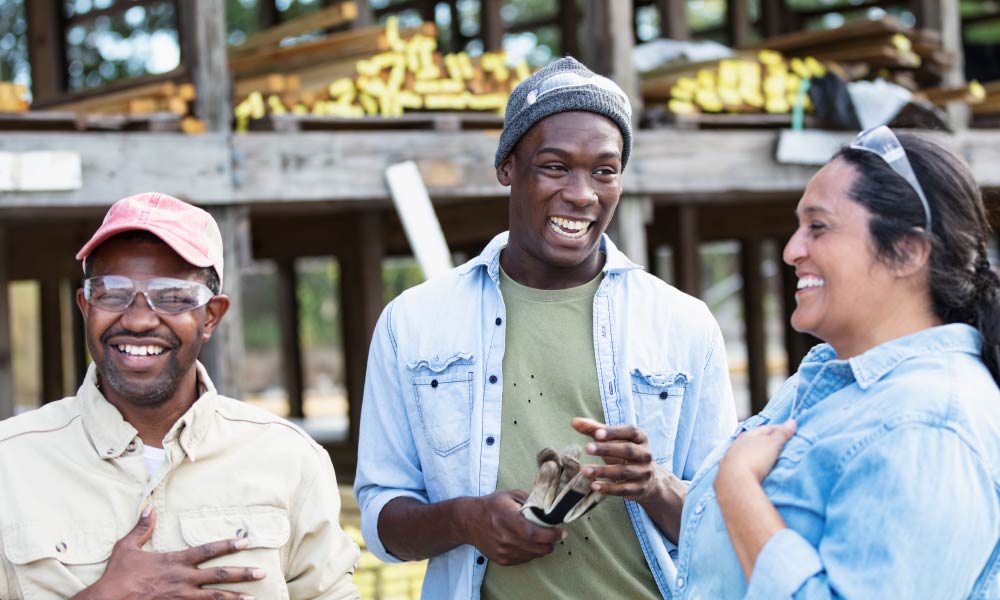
<point x="232" y="502"/>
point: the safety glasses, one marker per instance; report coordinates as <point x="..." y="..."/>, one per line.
<point x="882" y="142"/>
<point x="115" y="293"/>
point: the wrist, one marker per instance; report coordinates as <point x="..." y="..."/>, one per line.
<point x="463" y="514"/>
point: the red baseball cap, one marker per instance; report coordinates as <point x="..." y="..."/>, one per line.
<point x="190" y="231"/>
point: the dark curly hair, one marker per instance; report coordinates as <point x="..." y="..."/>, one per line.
<point x="964" y="288"/>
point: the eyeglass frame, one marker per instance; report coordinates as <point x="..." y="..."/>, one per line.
<point x="894" y="155"/>
<point x="205" y="293"/>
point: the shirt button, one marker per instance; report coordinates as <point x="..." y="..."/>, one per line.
<point x="61" y="547"/>
<point x="499" y="321"/>
<point x="242" y="533"/>
<point x="680" y="582"/>
<point x="699" y="509"/>
<point x="480" y="560"/>
<point x="131" y="446"/>
<point x="110" y="451"/>
<point x="493" y="378"/>
<point x="663" y="395"/>
<point x="490" y="441"/>
<point x="434" y="383"/>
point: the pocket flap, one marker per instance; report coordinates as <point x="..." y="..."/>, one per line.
<point x="71" y="543"/>
<point x="646" y="381"/>
<point x="262" y="526"/>
<point x="439" y="363"/>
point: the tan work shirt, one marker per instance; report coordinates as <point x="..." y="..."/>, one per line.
<point x="73" y="481"/>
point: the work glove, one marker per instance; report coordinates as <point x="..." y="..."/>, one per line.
<point x="561" y="494"/>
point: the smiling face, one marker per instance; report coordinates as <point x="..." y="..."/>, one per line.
<point x="845" y="292"/>
<point x="564" y="176"/>
<point x="144" y="358"/>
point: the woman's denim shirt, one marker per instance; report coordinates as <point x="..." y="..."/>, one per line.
<point x="889" y="486"/>
<point x="430" y="421"/>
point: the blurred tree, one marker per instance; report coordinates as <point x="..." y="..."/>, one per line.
<point x="14" y="43"/>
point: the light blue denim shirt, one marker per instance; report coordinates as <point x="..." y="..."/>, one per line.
<point x="890" y="486"/>
<point x="430" y="422"/>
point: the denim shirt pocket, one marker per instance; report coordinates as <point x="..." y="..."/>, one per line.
<point x="442" y="393"/>
<point x="658" y="397"/>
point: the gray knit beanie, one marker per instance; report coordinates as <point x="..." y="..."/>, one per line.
<point x="565" y="85"/>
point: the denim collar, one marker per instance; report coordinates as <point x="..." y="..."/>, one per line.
<point x="615" y="263"/>
<point x="874" y="364"/>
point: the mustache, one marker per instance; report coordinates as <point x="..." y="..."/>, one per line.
<point x="169" y="340"/>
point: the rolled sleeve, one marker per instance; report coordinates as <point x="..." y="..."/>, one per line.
<point x="388" y="461"/>
<point x="786" y="562"/>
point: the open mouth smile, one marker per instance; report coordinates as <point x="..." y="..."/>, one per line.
<point x="568" y="228"/>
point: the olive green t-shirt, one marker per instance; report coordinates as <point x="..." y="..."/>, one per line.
<point x="549" y="377"/>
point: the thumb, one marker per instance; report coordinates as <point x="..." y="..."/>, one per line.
<point x="788" y="428"/>
<point x="143" y="530"/>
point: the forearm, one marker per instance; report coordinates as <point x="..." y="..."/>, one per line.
<point x="412" y="530"/>
<point x="751" y="519"/>
<point x="665" y="502"/>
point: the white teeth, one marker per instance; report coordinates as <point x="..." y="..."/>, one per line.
<point x="810" y="282"/>
<point x="140" y="350"/>
<point x="567" y="228"/>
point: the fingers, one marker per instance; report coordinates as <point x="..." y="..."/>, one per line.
<point x="143" y="529"/>
<point x="206" y="552"/>
<point x="519" y="496"/>
<point x="217" y="575"/>
<point x="625" y="451"/>
<point x="586" y="426"/>
<point x="602" y="432"/>
<point x="221" y="595"/>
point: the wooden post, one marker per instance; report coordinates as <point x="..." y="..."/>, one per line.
<point x="628" y="229"/>
<point x="53" y="386"/>
<point x="491" y="25"/>
<point x="361" y="301"/>
<point x="268" y="16"/>
<point x="46" y="49"/>
<point x="753" y="320"/>
<point x="291" y="345"/>
<point x="951" y="42"/>
<point x="6" y="362"/>
<point x="673" y="19"/>
<point x="204" y="37"/>
<point x="611" y="36"/>
<point x="569" y="15"/>
<point x="796" y="344"/>
<point x="223" y="355"/>
<point x="366" y="14"/>
<point x="772" y="18"/>
<point x="738" y="22"/>
<point x="77" y="338"/>
<point x="687" y="261"/>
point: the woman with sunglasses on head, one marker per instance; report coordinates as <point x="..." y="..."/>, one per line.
<point x="874" y="472"/>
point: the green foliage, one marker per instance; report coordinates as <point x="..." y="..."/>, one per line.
<point x="13" y="42"/>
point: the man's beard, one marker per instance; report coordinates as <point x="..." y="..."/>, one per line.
<point x="150" y="394"/>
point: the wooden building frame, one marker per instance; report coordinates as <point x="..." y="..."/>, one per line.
<point x="328" y="188"/>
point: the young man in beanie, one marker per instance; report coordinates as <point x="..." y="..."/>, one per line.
<point x="550" y="337"/>
<point x="231" y="501"/>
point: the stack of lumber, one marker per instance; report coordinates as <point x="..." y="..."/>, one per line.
<point x="357" y="74"/>
<point x="13" y="97"/>
<point x="765" y="83"/>
<point x="147" y="99"/>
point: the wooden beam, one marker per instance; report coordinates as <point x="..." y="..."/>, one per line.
<point x="686" y="249"/>
<point x="610" y="35"/>
<point x="6" y="362"/>
<point x="269" y="15"/>
<point x="928" y="13"/>
<point x="569" y="26"/>
<point x="204" y="53"/>
<point x="628" y="229"/>
<point x="223" y="355"/>
<point x="291" y="345"/>
<point x="796" y="344"/>
<point x="491" y="25"/>
<point x="673" y="19"/>
<point x="53" y="377"/>
<point x="46" y="49"/>
<point x="772" y="18"/>
<point x="332" y="16"/>
<point x="738" y="23"/>
<point x="752" y="294"/>
<point x="361" y="301"/>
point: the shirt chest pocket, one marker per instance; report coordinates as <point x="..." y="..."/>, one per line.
<point x="58" y="559"/>
<point x="266" y="528"/>
<point x="658" y="398"/>
<point x="442" y="395"/>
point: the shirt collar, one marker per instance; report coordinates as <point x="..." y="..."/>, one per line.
<point x="112" y="434"/>
<point x="489" y="258"/>
<point x="874" y="364"/>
